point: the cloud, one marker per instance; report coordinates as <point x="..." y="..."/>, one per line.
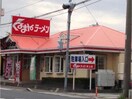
<point x="43" y="7"/>
<point x="110" y="13"/>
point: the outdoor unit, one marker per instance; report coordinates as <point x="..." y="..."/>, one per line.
<point x="130" y="94"/>
<point x="105" y="78"/>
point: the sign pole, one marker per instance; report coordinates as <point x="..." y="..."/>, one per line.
<point x="84" y="61"/>
<point x="90" y="81"/>
<point x="0" y="10"/>
<point x="74" y="75"/>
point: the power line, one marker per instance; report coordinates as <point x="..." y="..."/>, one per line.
<point x="37" y="16"/>
<point x="3" y="26"/>
<point x="24" y="6"/>
<point x="49" y="13"/>
<point x="54" y="12"/>
<point x="89" y="4"/>
<point x="91" y="14"/>
<point x="5" y="23"/>
<point x="74" y="9"/>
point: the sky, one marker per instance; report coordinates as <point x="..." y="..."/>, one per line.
<point x="109" y="13"/>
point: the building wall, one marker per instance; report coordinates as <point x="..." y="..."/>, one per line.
<point x="121" y="67"/>
<point x="80" y="73"/>
<point x="0" y="64"/>
<point x="112" y="60"/>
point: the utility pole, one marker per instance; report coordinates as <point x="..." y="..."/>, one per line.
<point x="70" y="6"/>
<point x="127" y="65"/>
<point x="0" y="10"/>
<point x="0" y="29"/>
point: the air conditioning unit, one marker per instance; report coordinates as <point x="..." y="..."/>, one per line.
<point x="130" y="94"/>
<point x="105" y="78"/>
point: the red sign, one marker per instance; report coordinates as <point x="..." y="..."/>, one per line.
<point x="30" y="26"/>
<point x="82" y="61"/>
<point x="83" y="66"/>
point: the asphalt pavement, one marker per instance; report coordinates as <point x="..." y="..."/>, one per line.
<point x="58" y="92"/>
<point x="51" y="94"/>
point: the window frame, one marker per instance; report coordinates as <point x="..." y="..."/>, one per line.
<point x="60" y="64"/>
<point x="28" y="60"/>
<point x="99" y="60"/>
<point x="42" y="63"/>
<point x="50" y="64"/>
<point x="104" y="62"/>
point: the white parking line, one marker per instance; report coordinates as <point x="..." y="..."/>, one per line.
<point x="4" y="89"/>
<point x="62" y="94"/>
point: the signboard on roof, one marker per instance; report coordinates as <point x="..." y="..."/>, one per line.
<point x="30" y="26"/>
<point x="82" y="61"/>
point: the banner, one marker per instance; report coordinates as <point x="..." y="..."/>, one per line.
<point x="33" y="68"/>
<point x="8" y="68"/>
<point x="17" y="71"/>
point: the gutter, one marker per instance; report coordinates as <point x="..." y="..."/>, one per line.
<point x="72" y="49"/>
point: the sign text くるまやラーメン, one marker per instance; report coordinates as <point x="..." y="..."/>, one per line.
<point x="30" y="26"/>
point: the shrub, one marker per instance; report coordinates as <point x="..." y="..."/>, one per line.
<point x="121" y="97"/>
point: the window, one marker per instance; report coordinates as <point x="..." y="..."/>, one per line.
<point x="100" y="62"/>
<point x="59" y="61"/>
<point x="48" y="64"/>
<point x="27" y="61"/>
<point x="70" y="71"/>
<point x="41" y="63"/>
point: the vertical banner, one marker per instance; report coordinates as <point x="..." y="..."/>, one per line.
<point x="33" y="68"/>
<point x="17" y="71"/>
<point x="8" y="68"/>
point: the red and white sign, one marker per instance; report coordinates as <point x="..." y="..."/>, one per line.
<point x="30" y="26"/>
<point x="8" y="68"/>
<point x="82" y="61"/>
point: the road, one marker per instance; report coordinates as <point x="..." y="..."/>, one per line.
<point x="16" y="93"/>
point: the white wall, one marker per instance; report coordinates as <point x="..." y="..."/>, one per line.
<point x="121" y="71"/>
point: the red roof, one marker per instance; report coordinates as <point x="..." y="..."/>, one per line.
<point x="90" y="37"/>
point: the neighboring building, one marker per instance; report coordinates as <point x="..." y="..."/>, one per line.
<point x="107" y="44"/>
<point x="0" y="61"/>
<point x="0" y="66"/>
